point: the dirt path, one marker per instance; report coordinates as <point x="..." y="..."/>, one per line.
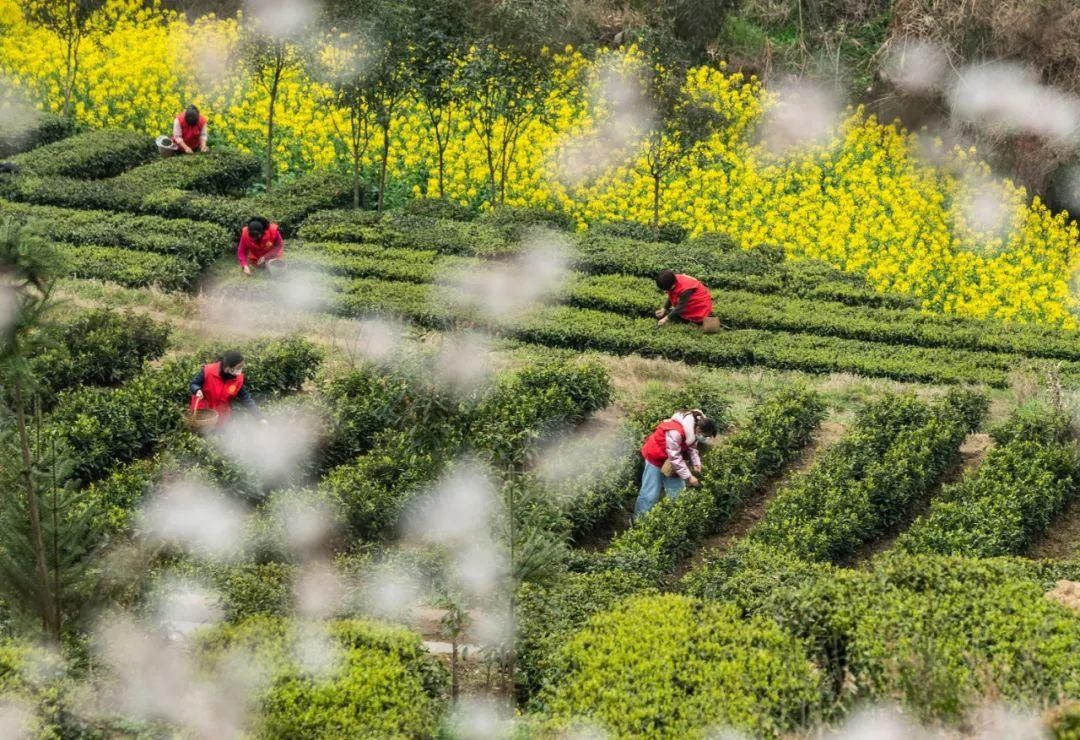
<point x="1062" y="540"/>
<point x="972" y="451"/>
<point x="751" y="510"/>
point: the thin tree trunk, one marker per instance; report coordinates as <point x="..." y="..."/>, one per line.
<point x="270" y="127"/>
<point x="656" y="204"/>
<point x="69" y="77"/>
<point x="47" y="609"/>
<point x="382" y="165"/>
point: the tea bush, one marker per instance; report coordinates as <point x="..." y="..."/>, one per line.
<point x="201" y="243"/>
<point x="19" y="135"/>
<point x="1018" y="490"/>
<point x="384" y="685"/>
<point x="91" y="155"/>
<point x="894" y="453"/>
<point x="778" y="428"/>
<point x="100" y="347"/>
<point x="937" y="634"/>
<point x="674" y="667"/>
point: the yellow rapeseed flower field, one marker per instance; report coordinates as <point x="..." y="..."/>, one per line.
<point x="865" y="201"/>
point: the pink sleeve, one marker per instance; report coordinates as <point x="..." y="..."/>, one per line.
<point x="673" y="447"/>
<point x="695" y="456"/>
<point x="241" y="253"/>
<point x="177" y="134"/>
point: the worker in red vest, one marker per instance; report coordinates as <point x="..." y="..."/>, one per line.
<point x="260" y="244"/>
<point x="687" y="298"/>
<point x="671" y="457"/>
<point x="189" y="131"/>
<point x="218" y="384"/>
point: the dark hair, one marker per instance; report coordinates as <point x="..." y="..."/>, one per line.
<point x="257" y="226"/>
<point x="666" y="280"/>
<point x="232" y="358"/>
<point x="705" y="426"/>
<point x="191" y="115"/>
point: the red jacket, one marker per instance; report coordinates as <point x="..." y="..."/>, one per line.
<point x="218" y="393"/>
<point x="699" y="307"/>
<point x="191" y="134"/>
<point x="654" y="450"/>
<point x="270" y="245"/>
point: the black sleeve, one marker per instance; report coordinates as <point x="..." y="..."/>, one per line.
<point x="684" y="298"/>
<point x="244" y="397"/>
<point x="197" y="382"/>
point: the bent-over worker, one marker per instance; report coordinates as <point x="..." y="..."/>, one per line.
<point x="218" y="384"/>
<point x="260" y="244"/>
<point x="189" y="131"/>
<point x="687" y="298"/>
<point x="674" y="441"/>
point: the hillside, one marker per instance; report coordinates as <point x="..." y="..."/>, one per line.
<point x="455" y="404"/>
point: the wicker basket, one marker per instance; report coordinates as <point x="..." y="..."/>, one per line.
<point x="202" y="421"/>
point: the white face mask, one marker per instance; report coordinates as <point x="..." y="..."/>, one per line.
<point x="235" y="370"/>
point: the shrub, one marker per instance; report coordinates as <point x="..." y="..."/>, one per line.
<point x="894" y="453"/>
<point x="199" y="242"/>
<point x="128" y="267"/>
<point x="548" y="615"/>
<point x="272" y="367"/>
<point x="244" y="590"/>
<point x="1065" y="722"/>
<point x="1017" y="491"/>
<point x="476" y="238"/>
<point x="219" y="171"/>
<point x="668" y="232"/>
<point x="672" y="667"/>
<point x="101" y="347"/>
<point x="778" y="428"/>
<point x="438" y="208"/>
<point x="19" y="135"/>
<point x="937" y="634"/>
<point x="385" y="684"/>
<point x="514" y="222"/>
<point x="93" y="155"/>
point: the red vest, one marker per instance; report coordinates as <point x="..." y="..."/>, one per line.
<point x="191" y="134"/>
<point x="258" y="249"/>
<point x="218" y="393"/>
<point x="700" y="306"/>
<point x="655" y="450"/>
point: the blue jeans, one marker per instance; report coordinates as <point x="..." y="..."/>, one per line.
<point x="652" y="482"/>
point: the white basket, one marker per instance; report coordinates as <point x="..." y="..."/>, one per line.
<point x="166" y="146"/>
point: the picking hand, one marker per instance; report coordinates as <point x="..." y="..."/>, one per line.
<point x="697" y="468"/>
<point x="247" y="270"/>
<point x="198" y="395"/>
<point x="693" y="482"/>
<point x="660" y="313"/>
<point x="202" y="147"/>
<point x="662" y="321"/>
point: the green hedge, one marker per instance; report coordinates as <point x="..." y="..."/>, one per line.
<point x="896" y="451"/>
<point x="201" y="243"/>
<point x="18" y="134"/>
<point x="386" y="685"/>
<point x="777" y="429"/>
<point x="674" y="667"/>
<point x="937" y="634"/>
<point x="425" y="427"/>
<point x="102" y="428"/>
<point x="1024" y="482"/>
<point x="94" y="155"/>
<point x="219" y="171"/>
<point x="577" y="328"/>
<point x="406" y="231"/>
<point x="745" y="310"/>
<point x="100" y="347"/>
<point x="287" y="204"/>
<point x="548" y="615"/>
<point x="128" y="267"/>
